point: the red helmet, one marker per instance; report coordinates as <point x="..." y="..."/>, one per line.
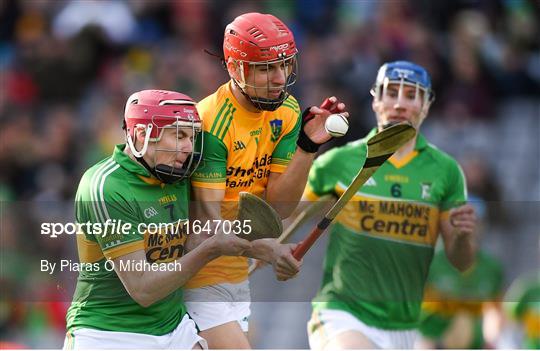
<point x="254" y="39"/>
<point x="156" y="110"/>
<point x="161" y="107"/>
<point x="257" y="37"/>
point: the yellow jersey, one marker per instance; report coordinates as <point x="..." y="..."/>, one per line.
<point x="241" y="149"/>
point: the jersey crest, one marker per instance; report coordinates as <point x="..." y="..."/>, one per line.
<point x="276" y="125"/>
<point x="426" y="191"/>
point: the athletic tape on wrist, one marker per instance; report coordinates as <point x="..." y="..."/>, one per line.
<point x="304" y="142"/>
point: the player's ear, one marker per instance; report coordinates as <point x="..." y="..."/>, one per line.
<point x="375" y="104"/>
<point x="425" y="111"/>
<point x="140" y="133"/>
<point x="233" y="69"/>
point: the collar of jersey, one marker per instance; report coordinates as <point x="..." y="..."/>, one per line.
<point x="130" y="165"/>
<point x="245" y="113"/>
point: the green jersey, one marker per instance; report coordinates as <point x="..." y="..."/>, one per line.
<point x="523" y="303"/>
<point x="382" y="242"/>
<point x="450" y="292"/>
<point x="120" y="194"/>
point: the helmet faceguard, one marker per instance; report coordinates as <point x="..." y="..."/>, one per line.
<point x="157" y="111"/>
<point x="404" y="73"/>
<point x="290" y="65"/>
<point x="253" y="40"/>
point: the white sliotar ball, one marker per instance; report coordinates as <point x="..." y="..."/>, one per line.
<point x="336" y="125"/>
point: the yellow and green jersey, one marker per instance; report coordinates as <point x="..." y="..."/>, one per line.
<point x="523" y="303"/>
<point x="119" y="191"/>
<point x="450" y="292"/>
<point x="382" y="242"/>
<point x="241" y="149"/>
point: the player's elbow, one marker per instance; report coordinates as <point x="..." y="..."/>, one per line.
<point x="139" y="294"/>
<point x="462" y="267"/>
<point x="283" y="204"/>
<point x="141" y="298"/>
<point x="145" y="303"/>
<point x="462" y="264"/>
<point x="283" y="208"/>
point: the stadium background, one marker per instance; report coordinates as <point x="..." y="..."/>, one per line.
<point x="66" y="69"/>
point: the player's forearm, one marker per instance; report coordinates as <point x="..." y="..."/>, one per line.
<point x="459" y="235"/>
<point x="147" y="287"/>
<point x="286" y="190"/>
<point x="206" y="209"/>
<point x="461" y="251"/>
<point x="262" y="249"/>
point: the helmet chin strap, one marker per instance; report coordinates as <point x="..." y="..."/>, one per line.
<point x="132" y="147"/>
<point x="164" y="173"/>
<point x="168" y="174"/>
<point x="269" y="104"/>
<point x="262" y="104"/>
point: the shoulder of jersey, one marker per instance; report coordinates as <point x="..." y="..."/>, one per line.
<point x="291" y="104"/>
<point x="103" y="177"/>
<point x="441" y="156"/>
<point x="217" y="112"/>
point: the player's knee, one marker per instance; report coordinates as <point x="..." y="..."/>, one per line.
<point x="226" y="336"/>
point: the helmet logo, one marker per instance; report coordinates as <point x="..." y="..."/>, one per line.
<point x="404" y="73"/>
<point x="228" y="46"/>
<point x="280" y="47"/>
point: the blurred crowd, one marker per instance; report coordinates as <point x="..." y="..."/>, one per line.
<point x="67" y="67"/>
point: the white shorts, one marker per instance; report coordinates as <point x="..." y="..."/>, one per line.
<point x="326" y="324"/>
<point x="214" y="305"/>
<point x="184" y="336"/>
